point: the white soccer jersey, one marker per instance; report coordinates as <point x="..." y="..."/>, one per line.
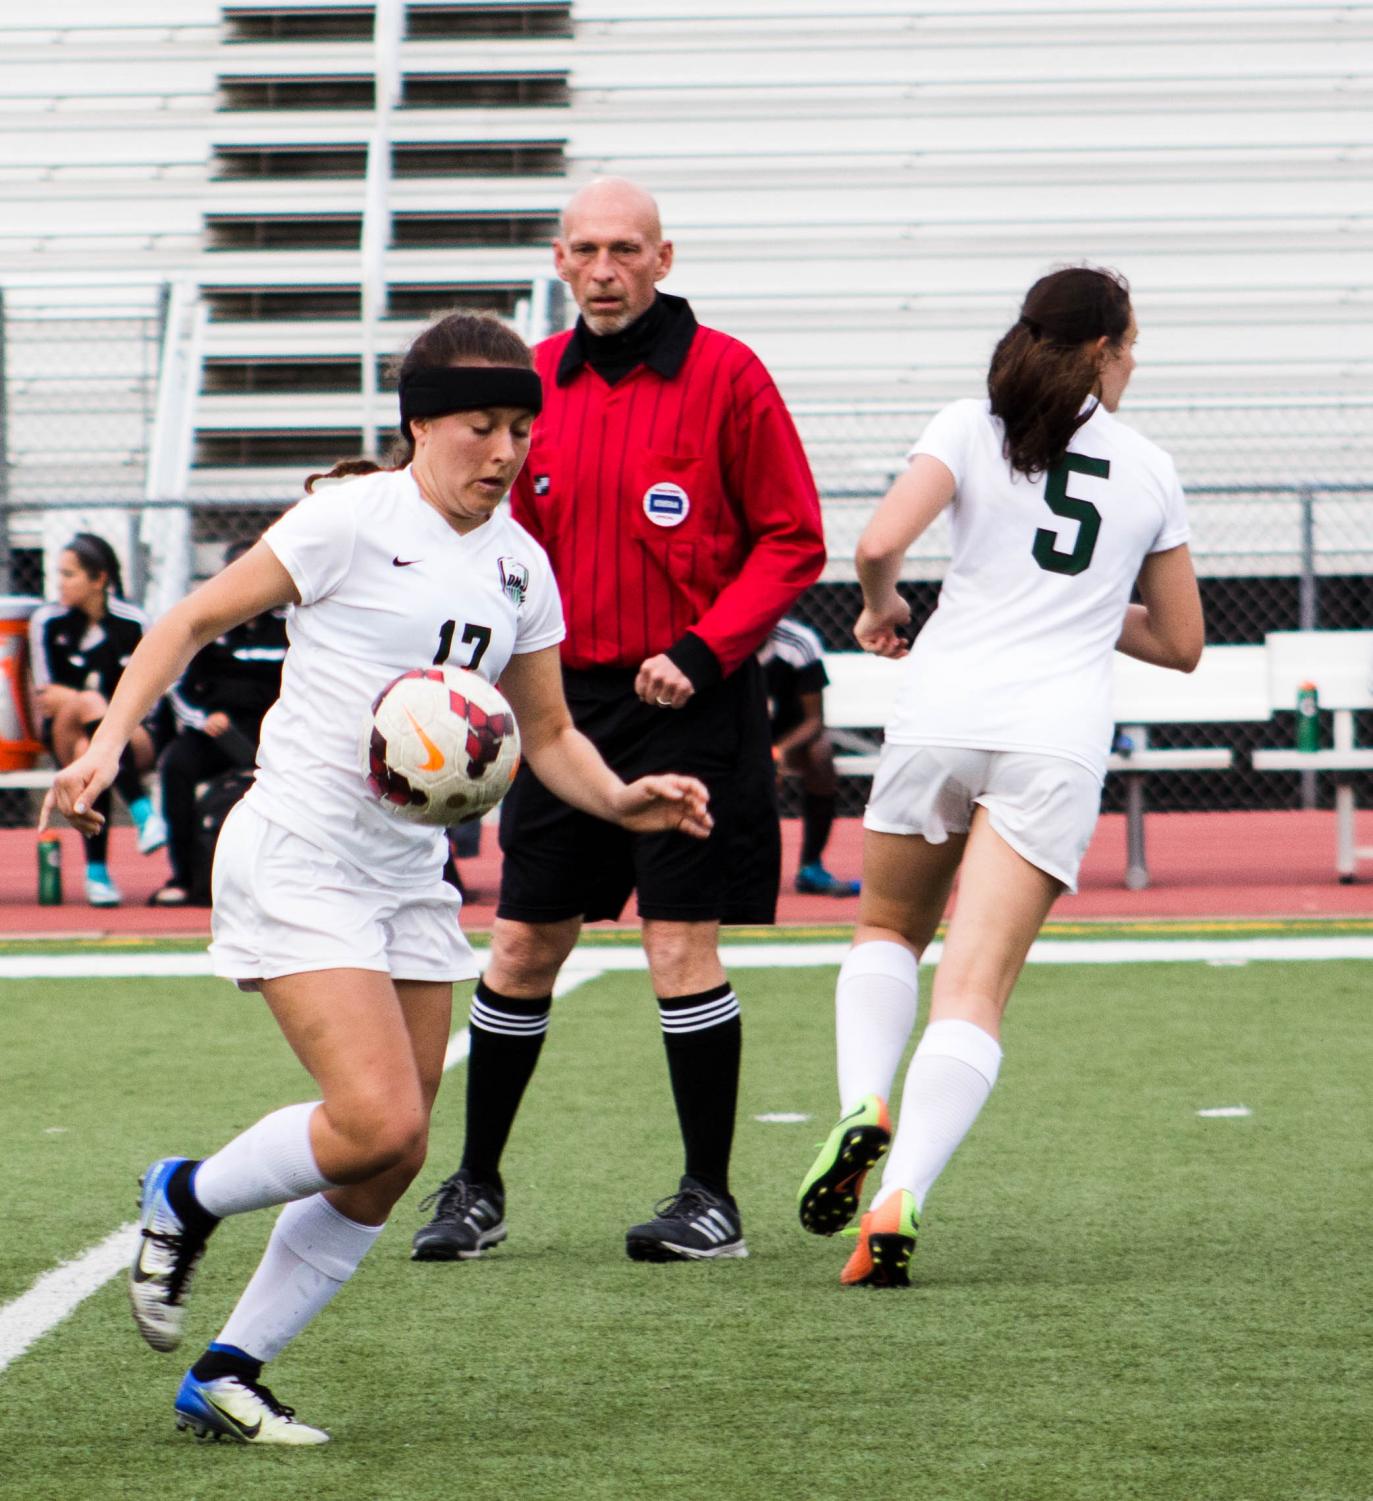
<point x="1017" y="654"/>
<point x="385" y="585"/>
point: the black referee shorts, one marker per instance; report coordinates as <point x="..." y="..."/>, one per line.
<point x="560" y="863"/>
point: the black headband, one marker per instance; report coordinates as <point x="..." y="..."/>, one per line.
<point x="437" y="390"/>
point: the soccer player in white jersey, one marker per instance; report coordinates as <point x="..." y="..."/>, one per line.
<point x="334" y="910"/>
<point x="997" y="742"/>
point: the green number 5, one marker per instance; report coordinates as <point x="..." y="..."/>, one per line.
<point x="1088" y="518"/>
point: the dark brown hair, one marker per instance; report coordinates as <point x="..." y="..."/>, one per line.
<point x="96" y="556"/>
<point x="452" y="340"/>
<point x="1043" y="368"/>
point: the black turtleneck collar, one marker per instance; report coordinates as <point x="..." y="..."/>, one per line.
<point x="658" y="338"/>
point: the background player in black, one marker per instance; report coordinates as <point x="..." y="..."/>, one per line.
<point x="794" y="671"/>
<point x="78" y="648"/>
<point x="219" y="704"/>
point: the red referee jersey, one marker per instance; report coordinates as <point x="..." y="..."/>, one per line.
<point x="669" y="504"/>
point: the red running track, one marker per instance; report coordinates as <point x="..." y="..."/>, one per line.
<point x="1202" y="864"/>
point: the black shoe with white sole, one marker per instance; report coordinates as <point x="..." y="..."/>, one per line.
<point x="694" y="1224"/>
<point x="469" y="1218"/>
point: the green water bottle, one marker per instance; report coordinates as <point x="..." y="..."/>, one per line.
<point x="49" y="870"/>
<point x="1308" y="723"/>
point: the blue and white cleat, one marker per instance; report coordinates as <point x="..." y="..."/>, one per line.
<point x="240" y="1410"/>
<point x="166" y="1261"/>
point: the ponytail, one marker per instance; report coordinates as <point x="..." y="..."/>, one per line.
<point x="1043" y="368"/>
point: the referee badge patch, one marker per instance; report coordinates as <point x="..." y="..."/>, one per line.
<point x="666" y="504"/>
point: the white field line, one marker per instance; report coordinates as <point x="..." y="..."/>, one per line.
<point x="56" y="1294"/>
<point x="586" y="963"/>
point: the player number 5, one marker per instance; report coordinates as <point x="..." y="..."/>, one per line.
<point x="1088" y="518"/>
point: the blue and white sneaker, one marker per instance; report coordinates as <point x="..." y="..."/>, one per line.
<point x="243" y="1411"/>
<point x="815" y="880"/>
<point x="152" y="831"/>
<point x="168" y="1253"/>
<point x="100" y="889"/>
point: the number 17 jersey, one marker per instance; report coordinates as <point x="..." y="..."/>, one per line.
<point x="1018" y="652"/>
<point x="385" y="585"/>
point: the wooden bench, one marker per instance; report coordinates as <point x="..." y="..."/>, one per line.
<point x="1340" y="665"/>
<point x="1229" y="685"/>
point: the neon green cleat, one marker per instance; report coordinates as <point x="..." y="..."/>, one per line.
<point x="829" y="1194"/>
<point x="886" y="1243"/>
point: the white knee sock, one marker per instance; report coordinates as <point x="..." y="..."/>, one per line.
<point x="312" y="1252"/>
<point x="875" y="1005"/>
<point x="950" y="1077"/>
<point x="269" y="1163"/>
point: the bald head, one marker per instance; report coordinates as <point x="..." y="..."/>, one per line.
<point x="611" y="252"/>
<point x="617" y="199"/>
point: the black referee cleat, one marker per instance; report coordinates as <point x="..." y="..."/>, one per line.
<point x="469" y="1218"/>
<point x="691" y="1225"/>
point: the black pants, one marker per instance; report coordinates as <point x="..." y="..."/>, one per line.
<point x="190" y="759"/>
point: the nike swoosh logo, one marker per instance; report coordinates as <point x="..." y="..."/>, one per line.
<point x="399" y="562"/>
<point x="243" y="1428"/>
<point x="435" y="761"/>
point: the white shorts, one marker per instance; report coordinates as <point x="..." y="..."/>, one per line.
<point x="283" y="906"/>
<point x="1044" y="807"/>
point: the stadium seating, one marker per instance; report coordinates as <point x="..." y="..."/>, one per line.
<point x="861" y="195"/>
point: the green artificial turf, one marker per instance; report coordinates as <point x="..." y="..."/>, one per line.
<point x="1114" y="1297"/>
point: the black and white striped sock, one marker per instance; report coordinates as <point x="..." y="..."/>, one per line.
<point x="507" y="1037"/>
<point x="702" y="1035"/>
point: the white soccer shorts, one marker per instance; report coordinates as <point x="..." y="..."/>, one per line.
<point x="283" y="906"/>
<point x="1044" y="807"/>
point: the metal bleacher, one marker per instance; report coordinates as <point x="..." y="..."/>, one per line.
<point x="860" y="192"/>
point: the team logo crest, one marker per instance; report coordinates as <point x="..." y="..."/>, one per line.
<point x="514" y="580"/>
<point x="666" y="504"/>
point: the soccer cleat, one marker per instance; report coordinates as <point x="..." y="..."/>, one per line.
<point x="166" y="1261"/>
<point x="815" y="880"/>
<point x="152" y="832"/>
<point x="100" y="889"/>
<point x="829" y="1193"/>
<point x="469" y="1218"/>
<point x="244" y="1411"/>
<point x="886" y="1242"/>
<point x="691" y="1225"/>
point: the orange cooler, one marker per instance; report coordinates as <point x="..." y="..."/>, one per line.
<point x="19" y="746"/>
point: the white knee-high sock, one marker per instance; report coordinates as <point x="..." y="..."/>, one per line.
<point x="950" y="1077"/>
<point x="269" y="1163"/>
<point x="875" y="1005"/>
<point x="312" y="1252"/>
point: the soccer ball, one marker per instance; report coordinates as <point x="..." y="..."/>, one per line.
<point x="441" y="746"/>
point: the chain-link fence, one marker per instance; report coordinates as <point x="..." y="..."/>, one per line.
<point x="1280" y="499"/>
<point x="1280" y="495"/>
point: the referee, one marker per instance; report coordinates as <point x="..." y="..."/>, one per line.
<point x="669" y="487"/>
